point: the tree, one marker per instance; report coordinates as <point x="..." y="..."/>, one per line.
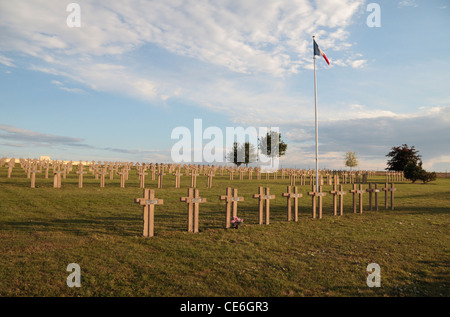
<point x="414" y="171"/>
<point x="401" y="156"/>
<point x="242" y="154"/>
<point x="269" y="148"/>
<point x="351" y="160"/>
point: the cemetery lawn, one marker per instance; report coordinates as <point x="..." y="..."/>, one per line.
<point x="42" y="230"/>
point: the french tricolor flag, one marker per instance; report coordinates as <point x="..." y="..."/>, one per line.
<point x="318" y="51"/>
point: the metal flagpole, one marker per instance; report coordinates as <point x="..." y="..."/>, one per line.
<point x="317" y="129"/>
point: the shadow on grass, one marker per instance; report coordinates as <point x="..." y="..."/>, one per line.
<point x="122" y="226"/>
<point x="430" y="279"/>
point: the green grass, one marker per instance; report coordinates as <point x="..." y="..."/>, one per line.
<point x="44" y="229"/>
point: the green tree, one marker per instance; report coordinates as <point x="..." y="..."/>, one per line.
<point x="268" y="145"/>
<point x="414" y="171"/>
<point x="351" y="160"/>
<point x="242" y="154"/>
<point x="401" y="156"/>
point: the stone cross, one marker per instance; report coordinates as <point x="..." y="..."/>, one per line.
<point x="33" y="177"/>
<point x="258" y="173"/>
<point x="102" y="174"/>
<point x="295" y="196"/>
<point x="387" y="189"/>
<point x="142" y="175"/>
<point x="193" y="200"/>
<point x="359" y="192"/>
<point x="178" y="178"/>
<point x="263" y="199"/>
<point x="47" y="167"/>
<point x="371" y="191"/>
<point x="339" y="193"/>
<point x="194" y="175"/>
<point x="80" y="173"/>
<point x="231" y="173"/>
<point x="241" y="173"/>
<point x="111" y="169"/>
<point x="148" y="202"/>
<point x="57" y="179"/>
<point x="210" y="179"/>
<point x="160" y="178"/>
<point x="315" y="194"/>
<point x="123" y="175"/>
<point x="329" y="181"/>
<point x="302" y="179"/>
<point x="231" y="203"/>
<point x="153" y="171"/>
<point x="11" y="164"/>
<point x="28" y="170"/>
<point x="292" y="177"/>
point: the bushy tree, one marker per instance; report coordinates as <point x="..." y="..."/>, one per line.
<point x="414" y="171"/>
<point x="351" y="160"/>
<point x="268" y="144"/>
<point x="401" y="156"/>
<point x="242" y="154"/>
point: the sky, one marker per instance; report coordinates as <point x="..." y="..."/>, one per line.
<point x="117" y="87"/>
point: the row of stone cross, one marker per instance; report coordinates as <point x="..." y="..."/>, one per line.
<point x="193" y="200"/>
<point x="301" y="177"/>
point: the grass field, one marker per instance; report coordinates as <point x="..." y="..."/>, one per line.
<point x="44" y="229"/>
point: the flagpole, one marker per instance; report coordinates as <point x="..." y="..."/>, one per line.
<point x="317" y="128"/>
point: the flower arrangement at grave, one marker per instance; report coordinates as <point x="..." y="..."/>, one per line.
<point x="236" y="222"/>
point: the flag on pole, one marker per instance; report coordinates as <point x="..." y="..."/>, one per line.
<point x="318" y="51"/>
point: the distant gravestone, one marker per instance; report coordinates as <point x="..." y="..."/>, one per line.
<point x="102" y="174"/>
<point x="33" y="177"/>
<point x="210" y="179"/>
<point x="292" y="177"/>
<point x="142" y="175"/>
<point x="160" y="178"/>
<point x="123" y="174"/>
<point x="80" y="173"/>
<point x="177" y="175"/>
<point x="11" y="164"/>
<point x="57" y="179"/>
<point x="194" y="175"/>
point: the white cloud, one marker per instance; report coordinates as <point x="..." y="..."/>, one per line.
<point x="407" y="3"/>
<point x="268" y="38"/>
<point x="246" y="36"/>
<point x="73" y="90"/>
<point x="6" y="61"/>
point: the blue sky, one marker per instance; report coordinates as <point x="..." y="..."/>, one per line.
<point x="115" y="88"/>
